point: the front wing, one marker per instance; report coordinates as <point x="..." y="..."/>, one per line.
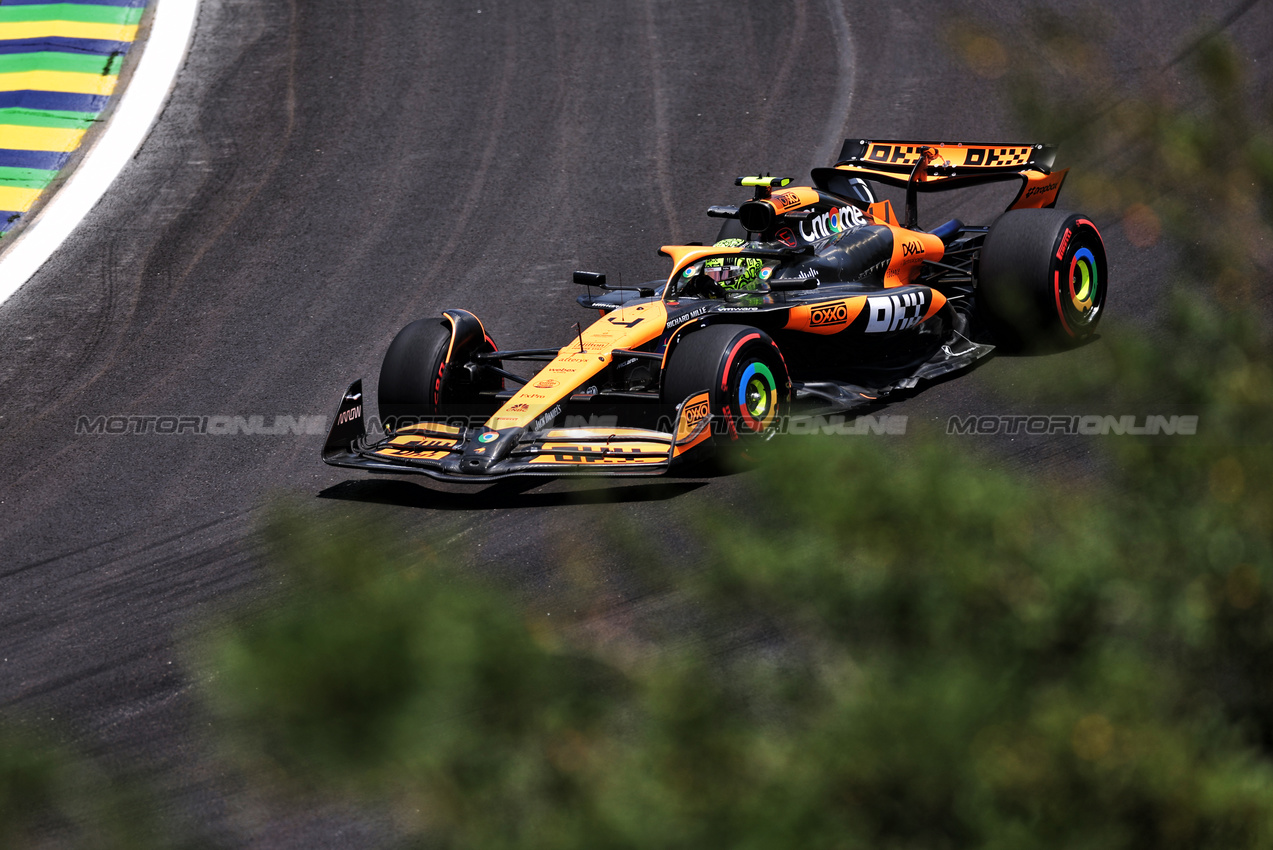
<point x="451" y="453"/>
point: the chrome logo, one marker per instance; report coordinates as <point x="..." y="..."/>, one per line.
<point x="488" y="437"/>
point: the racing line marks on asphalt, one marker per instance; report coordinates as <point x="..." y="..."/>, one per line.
<point x="139" y="106"/>
<point x="838" y="117"/>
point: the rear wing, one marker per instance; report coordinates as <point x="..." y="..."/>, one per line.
<point x="951" y="165"/>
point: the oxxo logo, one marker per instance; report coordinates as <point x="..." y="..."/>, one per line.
<point x="888" y="313"/>
<point x="910" y="249"/>
<point x="829" y="314"/>
<point x="696" y="413"/>
<point x="786" y="200"/>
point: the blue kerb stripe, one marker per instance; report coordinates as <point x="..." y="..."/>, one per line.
<point x="46" y="160"/>
<point x="61" y="101"/>
<point x="65" y="45"/>
<point x="8" y="219"/>
<point x="127" y="4"/>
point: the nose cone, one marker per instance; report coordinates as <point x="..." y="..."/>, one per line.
<point x="486" y="448"/>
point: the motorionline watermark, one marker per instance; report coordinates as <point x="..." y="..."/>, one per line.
<point x="833" y="424"/>
<point x="318" y="425"/>
<point x="1089" y="425"/>
<point x="213" y="426"/>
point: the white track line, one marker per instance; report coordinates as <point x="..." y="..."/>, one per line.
<point x="143" y="98"/>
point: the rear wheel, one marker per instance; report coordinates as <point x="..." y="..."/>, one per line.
<point x="418" y="382"/>
<point x="743" y="372"/>
<point x="1042" y="278"/>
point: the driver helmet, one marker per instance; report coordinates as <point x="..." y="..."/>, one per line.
<point x="745" y="271"/>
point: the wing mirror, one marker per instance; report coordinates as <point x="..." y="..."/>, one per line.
<point x="598" y="280"/>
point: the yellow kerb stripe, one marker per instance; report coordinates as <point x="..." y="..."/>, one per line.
<point x="59" y="81"/>
<point x="68" y="29"/>
<point x="14" y="199"/>
<point x="15" y="137"/>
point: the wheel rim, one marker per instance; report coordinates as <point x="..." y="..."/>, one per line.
<point x="1084" y="284"/>
<point x="1079" y="281"/>
<point x="757" y="397"/>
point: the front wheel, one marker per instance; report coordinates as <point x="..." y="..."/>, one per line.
<point x="1042" y="278"/>
<point x="423" y="374"/>
<point x="744" y="374"/>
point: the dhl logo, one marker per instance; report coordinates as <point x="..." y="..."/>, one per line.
<point x="988" y="156"/>
<point x="997" y="156"/>
<point x="890" y="313"/>
<point x="592" y="454"/>
<point x="415" y="443"/>
<point x="413" y="454"/>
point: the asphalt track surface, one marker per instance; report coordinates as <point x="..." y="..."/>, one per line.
<point x="327" y="171"/>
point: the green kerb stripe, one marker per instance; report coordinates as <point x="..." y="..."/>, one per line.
<point x="47" y="118"/>
<point x="76" y="63"/>
<point x="71" y="12"/>
<point x="26" y="178"/>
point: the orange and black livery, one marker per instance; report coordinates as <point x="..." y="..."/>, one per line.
<point x="818" y="296"/>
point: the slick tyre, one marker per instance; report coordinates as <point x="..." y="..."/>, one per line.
<point x="1042" y="279"/>
<point x="417" y="381"/>
<point x="412" y="373"/>
<point x="745" y="376"/>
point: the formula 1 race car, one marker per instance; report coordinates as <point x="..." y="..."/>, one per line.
<point x="812" y="295"/>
